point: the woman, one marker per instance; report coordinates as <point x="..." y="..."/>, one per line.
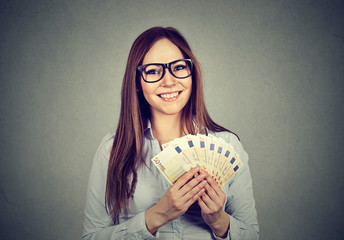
<point x="127" y="198"/>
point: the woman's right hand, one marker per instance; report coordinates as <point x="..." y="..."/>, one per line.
<point x="176" y="201"/>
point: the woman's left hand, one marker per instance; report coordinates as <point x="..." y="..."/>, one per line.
<point x="211" y="203"/>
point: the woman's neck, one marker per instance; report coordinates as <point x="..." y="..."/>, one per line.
<point x="167" y="127"/>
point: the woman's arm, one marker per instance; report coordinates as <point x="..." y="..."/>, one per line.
<point x="240" y="203"/>
<point x="238" y="218"/>
<point x="176" y="201"/>
<point x="97" y="223"/>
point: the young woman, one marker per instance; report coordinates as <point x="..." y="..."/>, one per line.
<point x="127" y="197"/>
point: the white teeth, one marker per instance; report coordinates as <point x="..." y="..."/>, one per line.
<point x="172" y="95"/>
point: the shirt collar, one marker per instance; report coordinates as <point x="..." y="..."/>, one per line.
<point x="148" y="131"/>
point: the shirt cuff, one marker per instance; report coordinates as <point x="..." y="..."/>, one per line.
<point x="225" y="238"/>
<point x="138" y="229"/>
<point x="218" y="238"/>
<point x="234" y="228"/>
<point x="233" y="232"/>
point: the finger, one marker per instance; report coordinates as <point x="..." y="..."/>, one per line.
<point x="213" y="188"/>
<point x="203" y="171"/>
<point x="194" y="191"/>
<point x="208" y="176"/>
<point x="191" y="184"/>
<point x="202" y="205"/>
<point x="211" y="192"/>
<point x="209" y="203"/>
<point x="185" y="178"/>
<point x="214" y="185"/>
<point x="195" y="198"/>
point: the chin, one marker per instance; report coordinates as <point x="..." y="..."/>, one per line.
<point x="170" y="112"/>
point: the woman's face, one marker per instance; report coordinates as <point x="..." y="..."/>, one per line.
<point x="169" y="95"/>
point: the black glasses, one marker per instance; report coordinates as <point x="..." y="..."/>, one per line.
<point x="154" y="72"/>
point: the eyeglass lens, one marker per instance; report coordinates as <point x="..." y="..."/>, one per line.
<point x="179" y="69"/>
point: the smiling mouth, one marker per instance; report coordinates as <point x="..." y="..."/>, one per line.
<point x="169" y="96"/>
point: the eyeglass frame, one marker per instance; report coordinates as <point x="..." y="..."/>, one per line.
<point x="164" y="66"/>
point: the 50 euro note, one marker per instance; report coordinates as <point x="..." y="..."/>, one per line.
<point x="172" y="164"/>
<point x="212" y="154"/>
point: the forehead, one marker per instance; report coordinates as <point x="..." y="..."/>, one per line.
<point x="163" y="51"/>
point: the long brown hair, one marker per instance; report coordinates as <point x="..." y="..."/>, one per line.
<point x="126" y="151"/>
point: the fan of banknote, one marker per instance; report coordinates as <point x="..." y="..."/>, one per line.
<point x="212" y="154"/>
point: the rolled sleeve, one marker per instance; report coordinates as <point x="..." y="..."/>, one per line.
<point x="218" y="238"/>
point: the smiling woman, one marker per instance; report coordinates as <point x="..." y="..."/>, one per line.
<point x="127" y="198"/>
<point x="166" y="94"/>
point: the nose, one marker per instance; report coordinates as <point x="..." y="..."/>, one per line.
<point x="168" y="80"/>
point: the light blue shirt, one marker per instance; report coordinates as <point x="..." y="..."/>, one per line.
<point x="151" y="186"/>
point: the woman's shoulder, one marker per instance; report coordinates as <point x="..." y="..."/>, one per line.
<point x="107" y="141"/>
<point x="103" y="152"/>
<point x="229" y="137"/>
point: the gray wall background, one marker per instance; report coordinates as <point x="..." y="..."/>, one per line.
<point x="273" y="73"/>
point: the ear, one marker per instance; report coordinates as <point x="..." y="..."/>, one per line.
<point x="138" y="85"/>
<point x="138" y="88"/>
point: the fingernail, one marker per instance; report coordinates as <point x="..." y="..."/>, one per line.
<point x="200" y="177"/>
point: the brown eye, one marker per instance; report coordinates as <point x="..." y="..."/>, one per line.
<point x="179" y="67"/>
<point x="152" y="72"/>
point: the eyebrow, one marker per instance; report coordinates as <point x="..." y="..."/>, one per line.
<point x="180" y="58"/>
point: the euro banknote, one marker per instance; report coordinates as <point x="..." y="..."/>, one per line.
<point x="214" y="155"/>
